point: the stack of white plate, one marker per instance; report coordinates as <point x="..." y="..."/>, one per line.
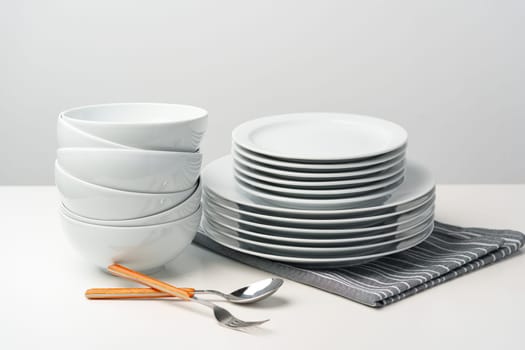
<point x="318" y="189"/>
<point x="128" y="175"/>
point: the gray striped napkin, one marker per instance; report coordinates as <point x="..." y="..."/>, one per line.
<point x="450" y="252"/>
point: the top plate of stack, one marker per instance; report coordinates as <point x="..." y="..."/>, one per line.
<point x="319" y="137"/>
<point x="319" y="160"/>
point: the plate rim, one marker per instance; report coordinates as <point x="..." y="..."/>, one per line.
<point x="328" y="240"/>
<point x="317" y="221"/>
<point x="333" y="203"/>
<point x="320" y="231"/>
<point x="266" y="160"/>
<point x="349" y="249"/>
<point x="241" y="132"/>
<point x="239" y="194"/>
<point x="321" y="260"/>
<point x="278" y="181"/>
<point x="320" y="193"/>
<point x="318" y="175"/>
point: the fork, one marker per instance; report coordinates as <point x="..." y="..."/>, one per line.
<point x="223" y="316"/>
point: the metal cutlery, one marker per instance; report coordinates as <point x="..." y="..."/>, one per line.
<point x="223" y="316"/>
<point x="251" y="293"/>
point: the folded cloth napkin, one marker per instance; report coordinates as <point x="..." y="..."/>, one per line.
<point x="449" y="252"/>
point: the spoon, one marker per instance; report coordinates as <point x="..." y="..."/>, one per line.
<point x="223" y="316"/>
<point x="249" y="294"/>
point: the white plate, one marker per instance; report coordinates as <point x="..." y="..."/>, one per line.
<point x="296" y="250"/>
<point x="319" y="193"/>
<point x="319" y="176"/>
<point x="256" y="175"/>
<point x="400" y="221"/>
<point x="320" y="137"/>
<point x="211" y="201"/>
<point x="272" y="162"/>
<point x="218" y="179"/>
<point x="319" y="262"/>
<point x="328" y="216"/>
<point x="323" y="241"/>
<point x="366" y="200"/>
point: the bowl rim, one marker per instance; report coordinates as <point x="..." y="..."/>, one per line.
<point x="188" y="217"/>
<point x="200" y="114"/>
<point x="61" y="170"/>
<point x="192" y="196"/>
<point x="106" y="143"/>
<point x="197" y="153"/>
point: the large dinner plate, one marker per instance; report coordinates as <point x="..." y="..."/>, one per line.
<point x="365" y="221"/>
<point x="319" y="137"/>
<point x="386" y="226"/>
<point x="395" y="232"/>
<point x="218" y="179"/>
<point x="319" y="176"/>
<point x="309" y="251"/>
<point x="321" y="167"/>
<point x="318" y="262"/>
<point x="329" y="184"/>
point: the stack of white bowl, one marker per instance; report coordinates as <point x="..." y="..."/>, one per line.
<point x="128" y="175"/>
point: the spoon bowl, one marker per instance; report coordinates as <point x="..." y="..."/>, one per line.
<point x="255" y="291"/>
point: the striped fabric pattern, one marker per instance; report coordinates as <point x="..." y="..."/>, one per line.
<point x="450" y="252"/>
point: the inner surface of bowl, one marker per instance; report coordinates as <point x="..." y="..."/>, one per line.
<point x="131" y="113"/>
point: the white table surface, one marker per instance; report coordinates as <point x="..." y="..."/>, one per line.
<point x="42" y="302"/>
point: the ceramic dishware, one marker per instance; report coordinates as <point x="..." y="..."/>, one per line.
<point x="188" y="206"/>
<point x="152" y="126"/>
<point x="347" y="250"/>
<point x="302" y="175"/>
<point x="319" y="137"/>
<point x="103" y="203"/>
<point x="71" y="136"/>
<point x="318" y="167"/>
<point x="318" y="262"/>
<point x="132" y="170"/>
<point x="219" y="180"/>
<point x="144" y="248"/>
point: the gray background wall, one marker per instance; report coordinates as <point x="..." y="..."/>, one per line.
<point x="451" y="72"/>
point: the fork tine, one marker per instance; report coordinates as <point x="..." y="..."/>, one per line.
<point x="242" y="324"/>
<point x="225" y="318"/>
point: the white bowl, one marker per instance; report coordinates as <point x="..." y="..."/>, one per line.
<point x="104" y="203"/>
<point x="178" y="212"/>
<point x="154" y="126"/>
<point x="132" y="170"/>
<point x="70" y="136"/>
<point x="143" y="248"/>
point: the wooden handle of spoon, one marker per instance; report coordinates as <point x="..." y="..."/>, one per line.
<point x="130" y="293"/>
<point x="121" y="271"/>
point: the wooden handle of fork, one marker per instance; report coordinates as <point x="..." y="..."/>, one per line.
<point x="121" y="271"/>
<point x="130" y="293"/>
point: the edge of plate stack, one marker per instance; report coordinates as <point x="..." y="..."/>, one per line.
<point x="319" y="190"/>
